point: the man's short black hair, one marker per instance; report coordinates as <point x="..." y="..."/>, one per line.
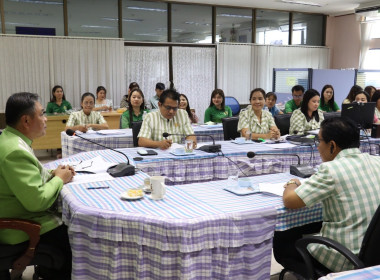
<point x="18" y="105"/>
<point x="169" y="93"/>
<point x="343" y="131"/>
<point x="160" y="86"/>
<point x="298" y="88"/>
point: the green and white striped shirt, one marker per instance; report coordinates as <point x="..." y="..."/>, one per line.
<point x="154" y="125"/>
<point x="80" y="118"/>
<point x="248" y="119"/>
<point x="299" y="123"/>
<point x="349" y="189"/>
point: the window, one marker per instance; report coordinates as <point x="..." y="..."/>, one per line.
<point x="307" y="29"/>
<point x="145" y="21"/>
<point x="38" y="15"/>
<point x="375" y="31"/>
<point x="94" y="18"/>
<point x="191" y="23"/>
<point x="272" y="27"/>
<point x="233" y="25"/>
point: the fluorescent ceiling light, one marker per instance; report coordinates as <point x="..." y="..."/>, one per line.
<point x="197" y="23"/>
<point x="38" y="2"/>
<point x="302" y="3"/>
<point x="97" y="26"/>
<point x="19" y="23"/>
<point x="148" y="34"/>
<point x="147" y="9"/>
<point x="231" y="15"/>
<point x="124" y="19"/>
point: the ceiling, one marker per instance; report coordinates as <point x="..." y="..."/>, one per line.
<point x="328" y="7"/>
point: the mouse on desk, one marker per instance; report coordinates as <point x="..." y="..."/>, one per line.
<point x="142" y="152"/>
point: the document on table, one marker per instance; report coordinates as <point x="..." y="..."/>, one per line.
<point x="274" y="188"/>
<point x="94" y="165"/>
<point x="90" y="178"/>
<point x="112" y="131"/>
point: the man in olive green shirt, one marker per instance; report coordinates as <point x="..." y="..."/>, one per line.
<point x="27" y="189"/>
<point x="295" y="103"/>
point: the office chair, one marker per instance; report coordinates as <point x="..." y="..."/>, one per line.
<point x="136" y="126"/>
<point x="368" y="254"/>
<point x="330" y="115"/>
<point x="230" y="128"/>
<point x="233" y="104"/>
<point x="283" y="123"/>
<point x="17" y="257"/>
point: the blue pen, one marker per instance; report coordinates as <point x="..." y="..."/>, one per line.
<point x="97" y="188"/>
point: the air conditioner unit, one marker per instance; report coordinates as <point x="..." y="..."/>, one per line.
<point x="367" y="7"/>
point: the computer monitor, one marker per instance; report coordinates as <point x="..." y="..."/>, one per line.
<point x="361" y="113"/>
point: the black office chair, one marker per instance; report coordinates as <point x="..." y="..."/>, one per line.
<point x="330" y="115"/>
<point x="368" y="254"/>
<point x="233" y="104"/>
<point x="283" y="123"/>
<point x="18" y="257"/>
<point x="230" y="128"/>
<point x="136" y="126"/>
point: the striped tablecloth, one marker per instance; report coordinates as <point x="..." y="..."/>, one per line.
<point x="369" y="273"/>
<point x="198" y="231"/>
<point x="72" y="145"/>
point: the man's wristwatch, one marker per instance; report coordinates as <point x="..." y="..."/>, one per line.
<point x="292" y="182"/>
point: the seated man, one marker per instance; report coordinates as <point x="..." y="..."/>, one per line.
<point x="295" y="103"/>
<point x="347" y="184"/>
<point x="27" y="189"/>
<point x="167" y="119"/>
<point x="160" y="87"/>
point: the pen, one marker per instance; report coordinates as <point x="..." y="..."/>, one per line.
<point x="96" y="188"/>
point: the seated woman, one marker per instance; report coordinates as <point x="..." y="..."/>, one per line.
<point x="102" y="104"/>
<point x="217" y="109"/>
<point x="124" y="100"/>
<point x="376" y="98"/>
<point x="270" y="102"/>
<point x="308" y="117"/>
<point x="327" y="103"/>
<point x="363" y="97"/>
<point x="370" y="90"/>
<point x="351" y="95"/>
<point x="184" y="105"/>
<point x="255" y="123"/>
<point x="58" y="103"/>
<point x="136" y="109"/>
<point x="86" y="118"/>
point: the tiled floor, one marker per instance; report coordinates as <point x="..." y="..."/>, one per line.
<point x="50" y="155"/>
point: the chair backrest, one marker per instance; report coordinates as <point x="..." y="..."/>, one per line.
<point x="233" y="104"/>
<point x="369" y="251"/>
<point x="283" y="123"/>
<point x="329" y="115"/>
<point x="136" y="126"/>
<point x="230" y="128"/>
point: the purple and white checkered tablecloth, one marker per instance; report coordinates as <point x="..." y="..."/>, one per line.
<point x="368" y="273"/>
<point x="72" y="145"/>
<point x="199" y="231"/>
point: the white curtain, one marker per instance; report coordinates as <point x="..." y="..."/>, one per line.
<point x="36" y="64"/>
<point x="194" y="76"/>
<point x="365" y="40"/>
<point x="248" y="66"/>
<point x="147" y="66"/>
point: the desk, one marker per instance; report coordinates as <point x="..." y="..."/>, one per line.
<point x="199" y="231"/>
<point x="57" y="123"/>
<point x="368" y="273"/>
<point x="74" y="145"/>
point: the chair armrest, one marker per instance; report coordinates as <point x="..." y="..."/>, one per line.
<point x="301" y="246"/>
<point x="32" y="229"/>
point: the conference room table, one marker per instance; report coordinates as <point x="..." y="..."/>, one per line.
<point x="198" y="231"/>
<point x="368" y="273"/>
<point x="122" y="138"/>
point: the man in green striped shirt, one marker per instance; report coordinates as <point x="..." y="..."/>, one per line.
<point x="167" y="119"/>
<point x="347" y="184"/>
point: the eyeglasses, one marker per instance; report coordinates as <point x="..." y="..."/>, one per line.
<point x="297" y="96"/>
<point x="317" y="141"/>
<point x="169" y="108"/>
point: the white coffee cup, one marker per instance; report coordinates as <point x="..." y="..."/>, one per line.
<point x="158" y="186"/>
